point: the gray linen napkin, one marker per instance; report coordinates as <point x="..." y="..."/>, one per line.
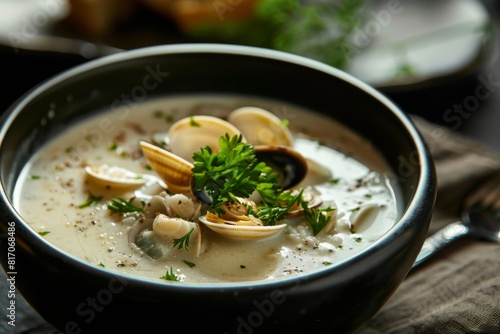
<point x="458" y="291"/>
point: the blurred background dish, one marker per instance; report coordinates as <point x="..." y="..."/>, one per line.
<point x="425" y="55"/>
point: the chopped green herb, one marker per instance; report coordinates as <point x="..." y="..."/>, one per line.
<point x="189" y="264"/>
<point x="169" y="118"/>
<point x="170" y="276"/>
<point x="193" y="122"/>
<point x="158" y="114"/>
<point x="334" y="181"/>
<point x="183" y="242"/>
<point x="270" y="214"/>
<point x="317" y="218"/>
<point x="113" y="146"/>
<point x="368" y="195"/>
<point x="326" y="263"/>
<point x="43" y="233"/>
<point x="68" y="149"/>
<point x="101" y="265"/>
<point x="122" y="205"/>
<point x="242" y="266"/>
<point x="35" y="177"/>
<point x="358" y="239"/>
<point x="90" y="200"/>
<point x="285" y="122"/>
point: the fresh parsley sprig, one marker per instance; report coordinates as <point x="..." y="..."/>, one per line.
<point x="317" y="218"/>
<point x="276" y="210"/>
<point x="232" y="172"/>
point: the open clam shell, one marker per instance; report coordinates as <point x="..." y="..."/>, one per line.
<point x="288" y="163"/>
<point x="172" y="169"/>
<point x="260" y="127"/>
<point x="115" y="177"/>
<point x="190" y="134"/>
<point x="243" y="232"/>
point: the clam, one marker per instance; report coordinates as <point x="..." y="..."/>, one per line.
<point x="172" y="169"/>
<point x="236" y="222"/>
<point x="175" y="228"/>
<point x="176" y="172"/>
<point x="154" y="233"/>
<point x="363" y="217"/>
<point x="284" y="160"/>
<point x="242" y="232"/>
<point x="260" y="127"/>
<point x="114" y="177"/>
<point x="311" y="196"/>
<point x="190" y="134"/>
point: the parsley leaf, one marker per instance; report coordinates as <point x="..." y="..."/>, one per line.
<point x="90" y="200"/>
<point x="317" y="218"/>
<point x="170" y="276"/>
<point x="232" y="172"/>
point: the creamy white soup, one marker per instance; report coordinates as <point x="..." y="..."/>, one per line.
<point x="346" y="194"/>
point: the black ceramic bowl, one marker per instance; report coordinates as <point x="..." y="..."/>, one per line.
<point x="76" y="297"/>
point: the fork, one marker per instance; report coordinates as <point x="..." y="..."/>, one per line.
<point x="480" y="219"/>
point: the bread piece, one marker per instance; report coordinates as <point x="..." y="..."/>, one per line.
<point x="97" y="18"/>
<point x="189" y="14"/>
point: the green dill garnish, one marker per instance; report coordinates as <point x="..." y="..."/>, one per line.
<point x="157" y="114"/>
<point x="189" y="264"/>
<point x="43" y="233"/>
<point x="35" y="177"/>
<point x="90" y="200"/>
<point x="68" y="149"/>
<point x="326" y="263"/>
<point x="368" y="195"/>
<point x="242" y="266"/>
<point x="193" y="122"/>
<point x="284" y="122"/>
<point x="170" y="276"/>
<point x="183" y="242"/>
<point x="122" y="205"/>
<point x="358" y="239"/>
<point x="101" y="265"/>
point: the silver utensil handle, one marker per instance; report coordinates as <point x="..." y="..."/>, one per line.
<point x="439" y="240"/>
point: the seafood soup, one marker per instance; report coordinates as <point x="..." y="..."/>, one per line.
<point x="208" y="189"/>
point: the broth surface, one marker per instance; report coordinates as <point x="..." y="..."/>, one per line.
<point x="51" y="193"/>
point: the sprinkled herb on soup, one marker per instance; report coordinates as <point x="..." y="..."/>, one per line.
<point x="208" y="189"/>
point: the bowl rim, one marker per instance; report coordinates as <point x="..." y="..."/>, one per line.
<point x="426" y="167"/>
